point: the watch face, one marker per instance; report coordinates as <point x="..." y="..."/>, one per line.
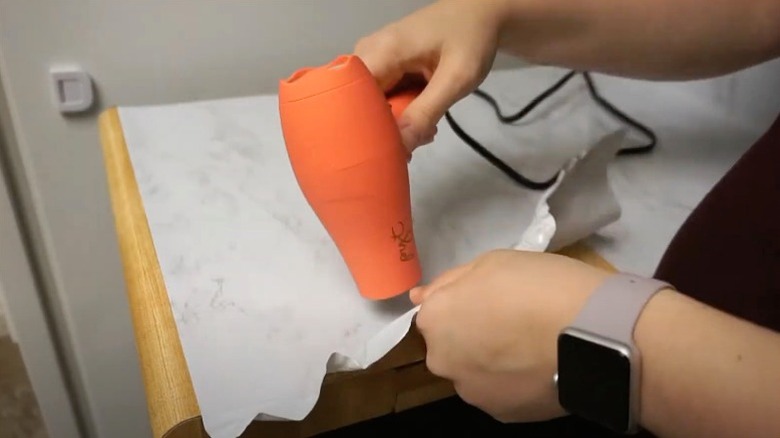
<point x="594" y="381"/>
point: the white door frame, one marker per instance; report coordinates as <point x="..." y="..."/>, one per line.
<point x="27" y="316"/>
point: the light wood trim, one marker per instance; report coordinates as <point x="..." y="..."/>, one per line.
<point x="169" y="392"/>
<point x="416" y="386"/>
<point x="583" y="253"/>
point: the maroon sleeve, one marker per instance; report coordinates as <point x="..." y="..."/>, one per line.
<point x="727" y="253"/>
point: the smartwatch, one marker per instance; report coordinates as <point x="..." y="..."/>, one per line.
<point x="599" y="366"/>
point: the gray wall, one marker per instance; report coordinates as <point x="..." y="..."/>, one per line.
<point x="139" y="52"/>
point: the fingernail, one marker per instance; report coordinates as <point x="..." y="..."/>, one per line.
<point x="409" y="137"/>
<point x="428" y="138"/>
<point x="414" y="293"/>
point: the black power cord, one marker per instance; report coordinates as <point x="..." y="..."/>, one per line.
<point x="509" y="119"/>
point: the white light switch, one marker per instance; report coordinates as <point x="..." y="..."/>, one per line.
<point x="72" y="89"/>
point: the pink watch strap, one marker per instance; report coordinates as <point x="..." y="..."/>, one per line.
<point x="614" y="307"/>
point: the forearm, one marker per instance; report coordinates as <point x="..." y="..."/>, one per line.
<point x="706" y="373"/>
<point x="652" y="39"/>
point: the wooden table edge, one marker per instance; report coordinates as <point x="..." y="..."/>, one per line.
<point x="169" y="392"/>
<point x="171" y="399"/>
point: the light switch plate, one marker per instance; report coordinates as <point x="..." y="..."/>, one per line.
<point x="72" y="89"/>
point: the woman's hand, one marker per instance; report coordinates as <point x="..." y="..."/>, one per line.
<point x="491" y="327"/>
<point x="451" y="43"/>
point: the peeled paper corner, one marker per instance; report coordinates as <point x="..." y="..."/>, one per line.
<point x="579" y="203"/>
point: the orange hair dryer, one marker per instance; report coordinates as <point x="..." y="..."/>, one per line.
<point x="345" y="149"/>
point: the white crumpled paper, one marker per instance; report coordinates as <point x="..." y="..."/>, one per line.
<point x="263" y="303"/>
<point x="579" y="203"/>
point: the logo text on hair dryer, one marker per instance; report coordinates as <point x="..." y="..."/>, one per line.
<point x="403" y="238"/>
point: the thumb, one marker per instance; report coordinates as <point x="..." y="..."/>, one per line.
<point x="451" y="81"/>
<point x="421" y="293"/>
<point x="380" y="56"/>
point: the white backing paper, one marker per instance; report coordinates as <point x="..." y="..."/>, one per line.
<point x="580" y="203"/>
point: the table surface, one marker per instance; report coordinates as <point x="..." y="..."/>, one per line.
<point x="656" y="193"/>
<point x="172" y="404"/>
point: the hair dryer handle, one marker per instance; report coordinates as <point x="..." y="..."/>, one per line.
<point x="401" y="99"/>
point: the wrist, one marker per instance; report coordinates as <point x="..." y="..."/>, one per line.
<point x="654" y="333"/>
<point x="505" y="11"/>
<point x="600" y="362"/>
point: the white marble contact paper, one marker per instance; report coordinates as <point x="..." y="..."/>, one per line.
<point x="261" y="297"/>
